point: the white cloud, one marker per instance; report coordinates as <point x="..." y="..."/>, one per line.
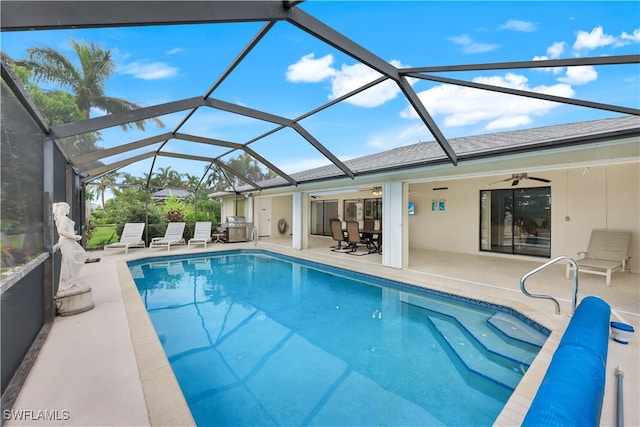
<point x="460" y="106"/>
<point x="555" y="50"/>
<point x="175" y="51"/>
<point x="579" y="75"/>
<point x="351" y="77"/>
<point x="398" y="137"/>
<point x="345" y="79"/>
<point x="517" y="25"/>
<point x="290" y="166"/>
<point x="311" y="70"/>
<point x="633" y="38"/>
<point x="595" y="39"/>
<point x="149" y="71"/>
<point x="471" y="46"/>
<point x="509" y="122"/>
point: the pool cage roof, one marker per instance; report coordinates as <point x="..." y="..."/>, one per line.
<point x="300" y="127"/>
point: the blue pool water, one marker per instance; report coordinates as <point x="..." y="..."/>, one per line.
<point x="259" y="339"/>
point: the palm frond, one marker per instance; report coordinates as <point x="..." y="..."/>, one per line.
<point x="49" y="65"/>
<point x="119" y="105"/>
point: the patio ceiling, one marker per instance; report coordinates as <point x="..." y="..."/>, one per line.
<point x="262" y="125"/>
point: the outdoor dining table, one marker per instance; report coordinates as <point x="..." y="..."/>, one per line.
<point x="367" y="235"/>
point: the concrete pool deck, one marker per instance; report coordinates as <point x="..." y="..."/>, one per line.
<point x="106" y="367"/>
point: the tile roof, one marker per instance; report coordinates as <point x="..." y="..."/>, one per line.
<point x="170" y="192"/>
<point x="469" y="147"/>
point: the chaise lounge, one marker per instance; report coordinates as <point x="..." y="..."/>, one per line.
<point x="607" y="252"/>
<point x="172" y="236"/>
<point x="131" y="238"/>
<point x="201" y="234"/>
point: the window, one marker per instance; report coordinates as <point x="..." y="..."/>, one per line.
<point x="321" y="212"/>
<point x="516" y="221"/>
<point x="352" y="210"/>
<point x="373" y="208"/>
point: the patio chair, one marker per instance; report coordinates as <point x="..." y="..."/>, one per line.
<point x="338" y="235"/>
<point x="377" y="237"/>
<point x="371" y="233"/>
<point x="131" y="238"/>
<point x="369" y="224"/>
<point x="172" y="236"/>
<point x="607" y="252"/>
<point x="201" y="234"/>
<point x="355" y="240"/>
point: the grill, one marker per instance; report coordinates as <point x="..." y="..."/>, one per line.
<point x="237" y="229"/>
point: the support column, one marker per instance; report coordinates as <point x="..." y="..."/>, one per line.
<point x="299" y="238"/>
<point x="392" y="224"/>
<point x="49" y="276"/>
<point x="250" y="208"/>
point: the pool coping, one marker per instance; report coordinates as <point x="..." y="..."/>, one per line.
<point x="166" y="404"/>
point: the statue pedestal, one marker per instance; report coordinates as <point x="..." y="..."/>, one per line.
<point x="74" y="301"/>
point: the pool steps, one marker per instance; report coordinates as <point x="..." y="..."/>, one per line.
<point x="474" y="363"/>
<point x="471" y="346"/>
<point x="527" y="338"/>
<point x="516" y="329"/>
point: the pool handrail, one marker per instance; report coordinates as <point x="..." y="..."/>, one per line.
<point x="544" y="266"/>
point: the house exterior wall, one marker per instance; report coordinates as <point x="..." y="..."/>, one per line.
<point x="582" y="199"/>
<point x="593" y="186"/>
<point x="232" y="207"/>
<point x="280" y="209"/>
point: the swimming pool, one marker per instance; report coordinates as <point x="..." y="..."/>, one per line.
<point x="261" y="339"/>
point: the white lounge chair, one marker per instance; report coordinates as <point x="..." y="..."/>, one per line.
<point x="201" y="234"/>
<point x="172" y="236"/>
<point x="131" y="238"/>
<point x="607" y="252"/>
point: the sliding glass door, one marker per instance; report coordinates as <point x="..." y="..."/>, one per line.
<point x="321" y="212"/>
<point x="516" y="221"/>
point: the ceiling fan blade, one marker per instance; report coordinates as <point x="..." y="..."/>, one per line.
<point x="540" y="179"/>
<point x="502" y="180"/>
<point x="515" y="182"/>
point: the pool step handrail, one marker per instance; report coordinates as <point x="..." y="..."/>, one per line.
<point x="544" y="266"/>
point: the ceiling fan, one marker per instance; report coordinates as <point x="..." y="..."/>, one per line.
<point x="517" y="177"/>
<point x="375" y="191"/>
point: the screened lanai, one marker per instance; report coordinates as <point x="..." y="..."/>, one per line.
<point x="228" y="96"/>
<point x="201" y="125"/>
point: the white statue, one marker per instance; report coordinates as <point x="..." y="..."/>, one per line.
<point x="73" y="255"/>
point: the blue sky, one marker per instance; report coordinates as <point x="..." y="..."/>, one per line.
<point x="290" y="73"/>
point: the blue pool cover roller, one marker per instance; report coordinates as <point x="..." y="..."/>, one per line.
<point x="572" y="390"/>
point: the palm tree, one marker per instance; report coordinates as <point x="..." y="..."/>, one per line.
<point x="105" y="182"/>
<point x="190" y="181"/>
<point x="87" y="83"/>
<point x="168" y="177"/>
<point x="245" y="165"/>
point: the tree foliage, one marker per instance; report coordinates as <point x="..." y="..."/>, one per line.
<point x="246" y="166"/>
<point x="85" y="77"/>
